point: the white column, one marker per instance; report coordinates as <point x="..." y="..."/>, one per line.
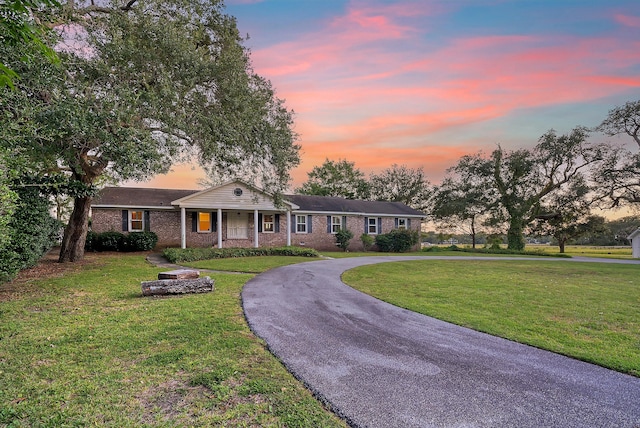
<point x="288" y="228"/>
<point x="255" y="228"/>
<point x="219" y="227"/>
<point x="183" y="228"/>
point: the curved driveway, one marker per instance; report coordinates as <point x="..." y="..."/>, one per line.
<point x="377" y="365"/>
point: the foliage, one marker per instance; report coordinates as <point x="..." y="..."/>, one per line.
<point x="521" y="179"/>
<point x="178" y="255"/>
<point x="142" y="241"/>
<point x="493" y="249"/>
<point x="397" y="241"/>
<point x="343" y="236"/>
<point x="111" y="108"/>
<point x="367" y="241"/>
<point x="7" y="201"/>
<point x="399" y="183"/>
<point x="623" y="120"/>
<point x="21" y="23"/>
<point x="116" y="241"/>
<point x="32" y="232"/>
<point x="619" y="175"/>
<point x="462" y="201"/>
<point x="340" y="179"/>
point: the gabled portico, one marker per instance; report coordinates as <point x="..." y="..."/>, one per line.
<point x="236" y="211"/>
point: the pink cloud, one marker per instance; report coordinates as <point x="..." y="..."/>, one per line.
<point x="628" y="20"/>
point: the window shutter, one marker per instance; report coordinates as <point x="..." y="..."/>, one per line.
<point x="344" y="223"/>
<point x="214" y="221"/>
<point x="408" y="223"/>
<point x="147" y="221"/>
<point x="379" y="224"/>
<point x="309" y="224"/>
<point x="276" y="226"/>
<point x="294" y="221"/>
<point x="125" y="220"/>
<point x="328" y="224"/>
<point x="259" y="222"/>
<point x="366" y="225"/>
<point x="194" y="221"/>
<point x="396" y="223"/>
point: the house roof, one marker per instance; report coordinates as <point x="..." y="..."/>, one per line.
<point x="332" y="204"/>
<point x="136" y="197"/>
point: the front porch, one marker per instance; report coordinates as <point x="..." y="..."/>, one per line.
<point x="234" y="228"/>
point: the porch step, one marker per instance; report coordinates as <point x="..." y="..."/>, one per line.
<point x="179" y="274"/>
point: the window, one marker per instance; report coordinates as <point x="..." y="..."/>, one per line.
<point x="372" y="226"/>
<point x="301" y="224"/>
<point x="204" y="222"/>
<point x="267" y="223"/>
<point x="136" y="221"/>
<point x="336" y="223"/>
<point x="402" y="223"/>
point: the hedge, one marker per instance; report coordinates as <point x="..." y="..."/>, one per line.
<point x="177" y="255"/>
<point x="116" y="241"/>
<point x="397" y="241"/>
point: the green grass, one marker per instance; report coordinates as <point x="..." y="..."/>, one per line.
<point x="587" y="251"/>
<point x="86" y="349"/>
<point x="587" y="311"/>
<point x="255" y="264"/>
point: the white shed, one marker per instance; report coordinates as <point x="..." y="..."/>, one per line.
<point x="635" y="243"/>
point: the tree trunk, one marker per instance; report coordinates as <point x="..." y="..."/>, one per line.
<point x="561" y="245"/>
<point x="473" y="233"/>
<point x="75" y="233"/>
<point x="515" y="236"/>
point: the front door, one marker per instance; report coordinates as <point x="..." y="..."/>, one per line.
<point x="237" y="225"/>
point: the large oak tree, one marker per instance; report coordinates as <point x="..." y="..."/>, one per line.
<point x="143" y="85"/>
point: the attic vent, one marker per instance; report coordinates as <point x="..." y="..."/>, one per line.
<point x="237" y="191"/>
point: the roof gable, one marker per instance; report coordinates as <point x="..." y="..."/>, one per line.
<point x="231" y="195"/>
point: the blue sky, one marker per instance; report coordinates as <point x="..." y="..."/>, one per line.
<point x="424" y="82"/>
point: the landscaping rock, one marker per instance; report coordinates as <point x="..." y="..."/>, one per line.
<point x="177" y="286"/>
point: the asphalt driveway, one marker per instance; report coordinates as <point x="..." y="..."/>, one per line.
<point x="377" y="365"/>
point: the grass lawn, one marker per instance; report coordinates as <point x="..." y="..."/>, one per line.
<point x="588" y="311"/>
<point x="256" y="264"/>
<point x="587" y="251"/>
<point x="86" y="349"/>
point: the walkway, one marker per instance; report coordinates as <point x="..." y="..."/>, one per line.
<point x="377" y="365"/>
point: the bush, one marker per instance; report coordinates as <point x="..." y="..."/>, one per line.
<point x="31" y="233"/>
<point x="367" y="241"/>
<point x="343" y="236"/>
<point x="177" y="255"/>
<point x="91" y="242"/>
<point x="397" y="241"/>
<point x="110" y="241"/>
<point x="141" y="241"/>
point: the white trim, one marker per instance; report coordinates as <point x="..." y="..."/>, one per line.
<point x="256" y="244"/>
<point x="375" y="225"/>
<point x="342" y="226"/>
<point x="288" y="228"/>
<point x="273" y="223"/>
<point x="130" y="215"/>
<point x="361" y="214"/>
<point x="131" y="207"/>
<point x="219" y="227"/>
<point x="183" y="228"/>
<point x="306" y="219"/>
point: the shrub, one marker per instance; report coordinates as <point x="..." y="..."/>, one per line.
<point x="367" y="241"/>
<point x="110" y="241"/>
<point x="343" y="236"/>
<point x="397" y="241"/>
<point x="31" y="233"/>
<point x="141" y="241"/>
<point x="91" y="242"/>
<point x="177" y="255"/>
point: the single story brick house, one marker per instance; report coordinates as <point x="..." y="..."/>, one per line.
<point x="226" y="216"/>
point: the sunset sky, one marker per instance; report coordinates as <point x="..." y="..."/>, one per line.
<point x="424" y="82"/>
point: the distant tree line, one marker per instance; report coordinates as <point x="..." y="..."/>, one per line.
<point x="549" y="190"/>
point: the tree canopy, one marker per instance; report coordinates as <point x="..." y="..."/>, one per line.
<point x="336" y="178"/>
<point x="398" y="183"/>
<point x="146" y="84"/>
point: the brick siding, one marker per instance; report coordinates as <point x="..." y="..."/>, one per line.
<point x="166" y="224"/>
